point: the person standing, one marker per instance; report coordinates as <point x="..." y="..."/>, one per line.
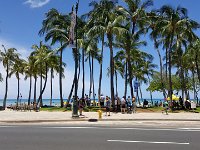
<point x="123" y="105"/>
<point x="102" y="99"/>
<point x="166" y="107"/>
<point x="108" y="105"/>
<point x="81" y="105"/>
<point x="133" y="104"/>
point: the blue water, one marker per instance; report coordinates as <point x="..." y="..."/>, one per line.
<point x="55" y="102"/>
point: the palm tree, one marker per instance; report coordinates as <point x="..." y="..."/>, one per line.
<point x="111" y="27"/>
<point x="41" y="54"/>
<point x="119" y="68"/>
<point x="155" y="36"/>
<point x="17" y="69"/>
<point x="28" y="69"/>
<point x="99" y="14"/>
<point x="136" y="16"/>
<point x="149" y="71"/>
<point x="7" y="57"/>
<point x="53" y="64"/>
<point x="174" y="27"/>
<point x="194" y="50"/>
<point x="56" y="27"/>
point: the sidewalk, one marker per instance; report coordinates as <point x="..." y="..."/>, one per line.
<point x="43" y="116"/>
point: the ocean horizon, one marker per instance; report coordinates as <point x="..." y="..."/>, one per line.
<point x="56" y="102"/>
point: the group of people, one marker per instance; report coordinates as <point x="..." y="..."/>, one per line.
<point x="120" y="105"/>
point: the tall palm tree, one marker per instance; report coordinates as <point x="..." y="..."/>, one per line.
<point x="41" y="54"/>
<point x="54" y="67"/>
<point x="149" y="71"/>
<point x="17" y="69"/>
<point x="7" y="56"/>
<point x="99" y="14"/>
<point x="111" y="27"/>
<point x="154" y="19"/>
<point x="28" y="69"/>
<point x="174" y="27"/>
<point x="56" y="27"/>
<point x="136" y="15"/>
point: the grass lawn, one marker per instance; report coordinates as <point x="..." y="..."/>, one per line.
<point x="142" y="110"/>
<point x="52" y="109"/>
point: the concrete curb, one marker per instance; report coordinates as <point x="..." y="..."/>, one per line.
<point x="94" y="120"/>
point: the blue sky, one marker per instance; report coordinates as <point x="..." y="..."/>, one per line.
<point x="20" y="21"/>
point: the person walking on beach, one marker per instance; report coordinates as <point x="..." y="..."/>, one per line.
<point x="133" y="105"/>
<point x="108" y="105"/>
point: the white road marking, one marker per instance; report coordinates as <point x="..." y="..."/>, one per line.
<point x="6" y="126"/>
<point x="107" y="128"/>
<point x="148" y="142"/>
<point x="71" y="127"/>
<point x="140" y="129"/>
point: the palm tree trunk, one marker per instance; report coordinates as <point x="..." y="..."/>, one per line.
<point x="140" y="91"/>
<point x="83" y="71"/>
<point x="116" y="83"/>
<point x="185" y="89"/>
<point x="6" y="90"/>
<point x="170" y="73"/>
<point x="125" y="85"/>
<point x="166" y="68"/>
<point x="101" y="68"/>
<point x="110" y="38"/>
<point x="182" y="78"/>
<point x="41" y="80"/>
<point x="79" y="71"/>
<point x="30" y="86"/>
<point x="45" y="83"/>
<point x="60" y="78"/>
<point x="93" y="80"/>
<point x="71" y="91"/>
<point x="17" y="88"/>
<point x="51" y="87"/>
<point x="193" y="83"/>
<point x="130" y="73"/>
<point x="161" y="72"/>
<point x="35" y="86"/>
<point x="150" y="90"/>
<point x="90" y="90"/>
<point x="197" y="66"/>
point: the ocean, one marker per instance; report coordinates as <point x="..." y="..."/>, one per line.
<point x="55" y="102"/>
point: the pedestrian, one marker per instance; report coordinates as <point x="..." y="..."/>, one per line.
<point x="81" y="106"/>
<point x="108" y="105"/>
<point x="166" y="107"/>
<point x="123" y="105"/>
<point x="181" y="102"/>
<point x="129" y="106"/>
<point x="102" y="99"/>
<point x="133" y="105"/>
<point x="118" y="104"/>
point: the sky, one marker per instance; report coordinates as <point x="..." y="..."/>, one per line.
<point x="21" y="20"/>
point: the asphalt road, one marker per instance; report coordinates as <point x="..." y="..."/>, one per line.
<point x="97" y="138"/>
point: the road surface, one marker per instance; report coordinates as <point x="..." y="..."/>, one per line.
<point x="49" y="137"/>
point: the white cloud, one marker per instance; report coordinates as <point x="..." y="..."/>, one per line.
<point x="36" y="3"/>
<point x="24" y="52"/>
